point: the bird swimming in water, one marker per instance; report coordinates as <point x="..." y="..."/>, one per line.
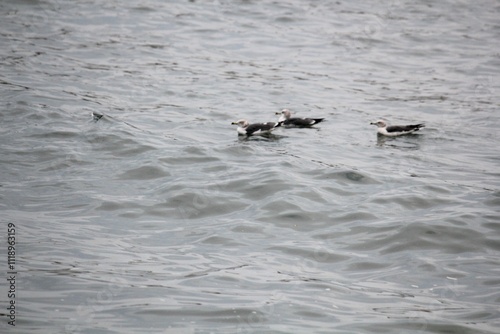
<point x="395" y="130"/>
<point x="289" y="121"/>
<point x="247" y="129"/>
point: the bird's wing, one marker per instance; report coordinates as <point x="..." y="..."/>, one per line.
<point x="403" y="128"/>
<point x="256" y="127"/>
<point x="302" y="121"/>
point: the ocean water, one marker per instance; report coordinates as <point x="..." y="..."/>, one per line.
<point x="158" y="218"/>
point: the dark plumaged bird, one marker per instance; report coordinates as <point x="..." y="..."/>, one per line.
<point x="289" y="121"/>
<point x="395" y="130"/>
<point x="247" y="129"/>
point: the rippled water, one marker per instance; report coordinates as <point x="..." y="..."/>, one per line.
<point x="157" y="218"/>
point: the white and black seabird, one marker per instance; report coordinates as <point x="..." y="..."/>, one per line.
<point x="289" y="121"/>
<point x="247" y="129"/>
<point x="395" y="130"/>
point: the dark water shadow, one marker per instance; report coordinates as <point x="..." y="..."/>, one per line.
<point x="266" y="138"/>
<point x="406" y="142"/>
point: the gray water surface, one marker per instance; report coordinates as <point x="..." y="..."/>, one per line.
<point x="157" y="218"/>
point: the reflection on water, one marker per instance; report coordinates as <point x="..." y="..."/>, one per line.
<point x="264" y="137"/>
<point x="406" y="142"/>
<point x="154" y="214"/>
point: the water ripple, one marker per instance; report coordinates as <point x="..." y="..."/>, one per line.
<point x="138" y="206"/>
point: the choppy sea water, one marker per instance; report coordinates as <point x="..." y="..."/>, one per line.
<point x="157" y="218"/>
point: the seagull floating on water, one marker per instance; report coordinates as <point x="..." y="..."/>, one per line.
<point x="289" y="121"/>
<point x="395" y="130"/>
<point x="247" y="129"/>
